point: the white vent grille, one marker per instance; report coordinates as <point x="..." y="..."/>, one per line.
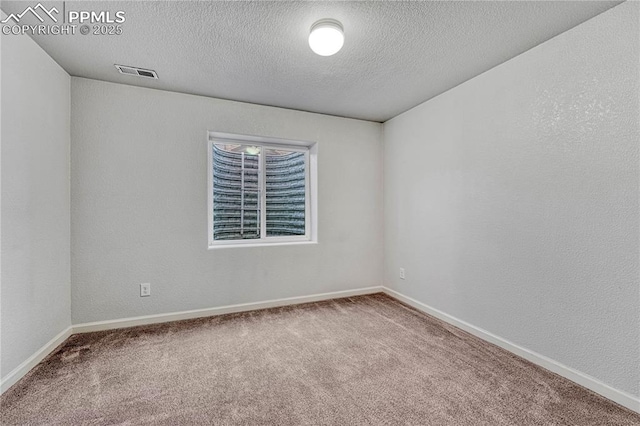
<point x="140" y="72"/>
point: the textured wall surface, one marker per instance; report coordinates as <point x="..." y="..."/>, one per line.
<point x="35" y="200"/>
<point x="139" y="204"/>
<point x="512" y="200"/>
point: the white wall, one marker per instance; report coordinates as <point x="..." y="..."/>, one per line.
<point x="35" y="200"/>
<point x="139" y="204"/>
<point x="512" y="200"/>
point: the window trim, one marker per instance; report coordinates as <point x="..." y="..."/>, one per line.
<point x="311" y="192"/>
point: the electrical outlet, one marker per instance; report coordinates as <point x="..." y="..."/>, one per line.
<point x="145" y="289"/>
<point x="402" y="273"/>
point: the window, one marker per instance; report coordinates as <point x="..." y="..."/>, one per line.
<point x="261" y="190"/>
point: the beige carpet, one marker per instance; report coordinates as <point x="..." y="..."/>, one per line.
<point x="366" y="360"/>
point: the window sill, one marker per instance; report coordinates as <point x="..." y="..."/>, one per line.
<point x="265" y="244"/>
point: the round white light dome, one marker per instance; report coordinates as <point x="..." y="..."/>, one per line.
<point x="327" y="37"/>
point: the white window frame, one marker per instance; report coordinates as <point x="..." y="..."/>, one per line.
<point x="311" y="189"/>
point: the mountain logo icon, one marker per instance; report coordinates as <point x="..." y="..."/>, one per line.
<point x="34" y="11"/>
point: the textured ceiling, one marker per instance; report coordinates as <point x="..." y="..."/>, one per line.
<point x="396" y="54"/>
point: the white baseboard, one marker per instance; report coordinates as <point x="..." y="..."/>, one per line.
<point x="229" y="309"/>
<point x="623" y="398"/>
<point x="20" y="371"/>
<point x="34" y="359"/>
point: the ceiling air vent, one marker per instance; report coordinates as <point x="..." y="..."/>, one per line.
<point x="140" y="72"/>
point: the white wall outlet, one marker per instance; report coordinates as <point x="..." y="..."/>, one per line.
<point x="145" y="289"/>
<point x="402" y="273"/>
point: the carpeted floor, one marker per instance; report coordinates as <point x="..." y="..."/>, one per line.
<point x="366" y="360"/>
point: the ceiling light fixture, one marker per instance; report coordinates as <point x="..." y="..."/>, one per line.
<point x="326" y="37"/>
